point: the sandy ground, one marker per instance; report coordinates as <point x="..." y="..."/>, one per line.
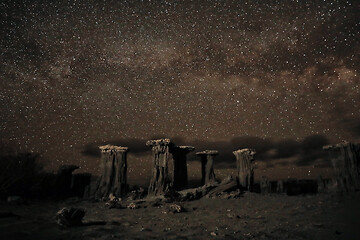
<point x="252" y="216"/>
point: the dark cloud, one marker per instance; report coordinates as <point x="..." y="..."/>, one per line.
<point x="313" y="143"/>
<point x="311" y="150"/>
<point x="91" y="150"/>
<point x="286" y="148"/>
<point x="306" y="152"/>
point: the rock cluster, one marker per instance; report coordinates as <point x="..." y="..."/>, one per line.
<point x="70" y="217"/>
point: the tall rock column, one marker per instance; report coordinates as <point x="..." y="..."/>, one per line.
<point x="180" y="176"/>
<point x="207" y="166"/>
<point x="160" y="181"/>
<point x="245" y="168"/>
<point x="345" y="159"/>
<point x="113" y="167"/>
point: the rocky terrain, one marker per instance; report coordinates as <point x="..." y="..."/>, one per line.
<point x="251" y="216"/>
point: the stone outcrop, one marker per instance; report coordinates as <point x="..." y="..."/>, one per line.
<point x="280" y="186"/>
<point x="180" y="176"/>
<point x="207" y="166"/>
<point x="113" y="179"/>
<point x="228" y="188"/>
<point x="345" y="159"/>
<point x="63" y="180"/>
<point x="70" y="217"/>
<point x="245" y="168"/>
<point x="265" y="185"/>
<point x="227" y="185"/>
<point x="160" y="181"/>
<point x="79" y="182"/>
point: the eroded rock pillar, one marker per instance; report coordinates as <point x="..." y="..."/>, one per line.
<point x="180" y="176"/>
<point x="160" y="181"/>
<point x="207" y="166"/>
<point x="113" y="167"/>
<point x="245" y="168"/>
<point x="345" y="159"/>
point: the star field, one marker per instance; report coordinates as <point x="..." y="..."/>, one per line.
<point x="80" y="72"/>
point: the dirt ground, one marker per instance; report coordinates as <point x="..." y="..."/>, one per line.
<point x="252" y="216"/>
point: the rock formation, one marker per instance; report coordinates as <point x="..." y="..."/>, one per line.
<point x="325" y="185"/>
<point x="245" y="168"/>
<point x="207" y="166"/>
<point x="113" y="179"/>
<point x="79" y="182"/>
<point x="345" y="159"/>
<point x="63" y="180"/>
<point x="180" y="176"/>
<point x="70" y="217"/>
<point x="228" y="188"/>
<point x="227" y="185"/>
<point x="280" y="186"/>
<point x="160" y="181"/>
<point x="265" y="185"/>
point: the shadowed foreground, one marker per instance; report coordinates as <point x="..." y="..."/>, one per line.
<point x="252" y="216"/>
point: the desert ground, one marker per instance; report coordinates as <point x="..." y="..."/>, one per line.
<point x="251" y="216"/>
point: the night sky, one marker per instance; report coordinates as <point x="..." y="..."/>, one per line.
<point x="282" y="77"/>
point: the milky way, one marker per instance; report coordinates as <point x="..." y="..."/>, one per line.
<point x="82" y="73"/>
